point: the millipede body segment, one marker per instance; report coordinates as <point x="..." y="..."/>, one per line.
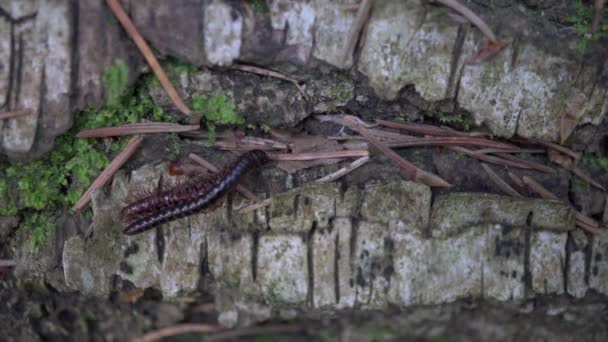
<point x="155" y="209"/>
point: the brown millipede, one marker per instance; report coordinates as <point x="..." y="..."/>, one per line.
<point x="156" y="209"/>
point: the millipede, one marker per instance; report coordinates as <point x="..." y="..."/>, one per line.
<point x="184" y="199"/>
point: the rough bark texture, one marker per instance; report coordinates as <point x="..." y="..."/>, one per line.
<point x="54" y="54"/>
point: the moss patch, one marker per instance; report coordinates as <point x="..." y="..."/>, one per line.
<point x="42" y="188"/>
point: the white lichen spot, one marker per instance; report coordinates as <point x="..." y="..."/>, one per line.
<point x="223" y="33"/>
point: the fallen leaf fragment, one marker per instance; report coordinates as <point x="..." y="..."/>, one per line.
<point x="486" y="52"/>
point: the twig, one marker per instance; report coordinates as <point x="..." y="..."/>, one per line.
<point x="588" y="223"/>
<point x="137" y="128"/>
<point x="269" y="73"/>
<point x="7" y="263"/>
<point x="363" y="12"/>
<point x="471" y="16"/>
<point x="127" y="24"/>
<point x="331" y="177"/>
<point x="410" y="170"/>
<point x="14" y="114"/>
<point x="178" y="330"/>
<point x="261" y="330"/>
<point x="318" y="155"/>
<point x="105" y="176"/>
<point x="215" y="169"/>
<point x="335" y="175"/>
<point x="256" y="206"/>
<point x="504" y="186"/>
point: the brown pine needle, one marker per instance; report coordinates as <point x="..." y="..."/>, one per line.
<point x="446" y="141"/>
<point x="145" y="50"/>
<point x="513" y="150"/>
<point x="318" y="155"/>
<point x="583" y="221"/>
<point x="504" y="186"/>
<point x="137" y="128"/>
<point x="531" y="164"/>
<point x="363" y="11"/>
<point x="244" y="191"/>
<point x="250" y="143"/>
<point x="410" y="171"/>
<point x="488" y="158"/>
<point x="7" y="263"/>
<point x="580" y="173"/>
<point x="253" y="331"/>
<point x="178" y="330"/>
<point x="516" y="180"/>
<point x="538" y="188"/>
<point x="106" y="175"/>
<point x="422" y="129"/>
<point x="14" y="114"/>
<point x="471" y="16"/>
<point x="269" y="73"/>
<point x="554" y="146"/>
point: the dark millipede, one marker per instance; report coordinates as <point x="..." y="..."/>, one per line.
<point x="155" y="209"/>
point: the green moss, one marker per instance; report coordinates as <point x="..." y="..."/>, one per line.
<point x="259" y="6"/>
<point x="116" y="79"/>
<point x="582" y="22"/>
<point x="217" y="110"/>
<point x="343" y="91"/>
<point x="40" y="226"/>
<point x="461" y="121"/>
<point x="596" y="163"/>
<point x="57" y="182"/>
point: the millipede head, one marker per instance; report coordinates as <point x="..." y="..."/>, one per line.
<point x="259" y="156"/>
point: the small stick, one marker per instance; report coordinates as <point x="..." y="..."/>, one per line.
<point x="335" y="175"/>
<point x="178" y="330"/>
<point x="504" y="186"/>
<point x="331" y="177"/>
<point x="7" y="263"/>
<point x="318" y="155"/>
<point x="14" y="114"/>
<point x="105" y="176"/>
<point x="363" y="12"/>
<point x="145" y="50"/>
<point x="136" y="128"/>
<point x="215" y="169"/>
<point x="270" y="73"/>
